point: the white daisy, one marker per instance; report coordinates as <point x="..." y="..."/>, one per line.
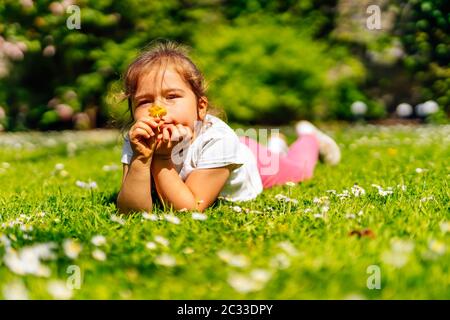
<point x="261" y="275"/>
<point x="172" y="219"/>
<point x="199" y="216"/>
<point x="280" y="197"/>
<point x="404" y="246"/>
<point x="437" y="247"/>
<point x="345" y="194"/>
<point x="426" y="199"/>
<point x="354" y="296"/>
<point x="59" y="290"/>
<point x="86" y="185"/>
<point x="117" y="219"/>
<point x="235" y="260"/>
<point x="237" y="209"/>
<point x="255" y="281"/>
<point x="289" y="248"/>
<point x="444" y="226"/>
<point x="72" y="248"/>
<point x="243" y="283"/>
<point x="383" y="192"/>
<point x="395" y="259"/>
<point x="98" y="240"/>
<point x="148" y="216"/>
<point x="280" y="261"/>
<point x="26" y="228"/>
<point x="321" y="200"/>
<point x="41" y="214"/>
<point x="15" y="290"/>
<point x="28" y="259"/>
<point x="188" y="250"/>
<point x="166" y="260"/>
<point x="150" y="245"/>
<point x="63" y="173"/>
<point x="358" y="191"/>
<point x="99" y="255"/>
<point x="162" y="241"/>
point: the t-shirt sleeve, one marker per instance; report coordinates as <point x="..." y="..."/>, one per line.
<point x="220" y="150"/>
<point x="127" y="152"/>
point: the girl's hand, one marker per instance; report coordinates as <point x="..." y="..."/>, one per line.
<point x="143" y="137"/>
<point x="171" y="135"/>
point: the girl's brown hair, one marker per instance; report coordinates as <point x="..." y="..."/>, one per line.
<point x="160" y="53"/>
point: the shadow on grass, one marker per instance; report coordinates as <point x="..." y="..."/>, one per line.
<point x="111" y="198"/>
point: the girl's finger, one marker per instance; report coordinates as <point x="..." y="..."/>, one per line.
<point x="139" y="132"/>
<point x="153" y="122"/>
<point x="166" y="135"/>
<point x="136" y="131"/>
<point x="167" y="119"/>
<point x="174" y="133"/>
<point x="145" y="127"/>
<point x="189" y="134"/>
<point x="181" y="130"/>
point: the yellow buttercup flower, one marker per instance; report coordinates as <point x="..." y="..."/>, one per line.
<point x="157" y="111"/>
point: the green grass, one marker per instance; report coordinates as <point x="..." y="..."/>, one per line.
<point x="319" y="260"/>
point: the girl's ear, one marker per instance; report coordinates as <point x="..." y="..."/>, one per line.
<point x="202" y="107"/>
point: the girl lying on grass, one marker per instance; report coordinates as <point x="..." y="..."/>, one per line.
<point x="176" y="148"/>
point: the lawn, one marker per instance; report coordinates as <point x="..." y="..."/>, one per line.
<point x="385" y="238"/>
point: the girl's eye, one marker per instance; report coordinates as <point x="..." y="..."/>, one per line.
<point x="143" y="103"/>
<point x="172" y="96"/>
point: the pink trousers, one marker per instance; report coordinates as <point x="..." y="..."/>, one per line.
<point x="276" y="169"/>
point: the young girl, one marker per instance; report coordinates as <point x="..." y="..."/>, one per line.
<point x="189" y="157"/>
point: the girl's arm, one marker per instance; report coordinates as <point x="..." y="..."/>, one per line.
<point x="135" y="192"/>
<point x="201" y="189"/>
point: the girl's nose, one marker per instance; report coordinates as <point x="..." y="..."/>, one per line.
<point x="167" y="118"/>
<point x="159" y="102"/>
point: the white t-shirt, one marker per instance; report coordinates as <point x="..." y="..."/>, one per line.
<point x="216" y="145"/>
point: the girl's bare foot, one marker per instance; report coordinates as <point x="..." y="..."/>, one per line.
<point x="277" y="143"/>
<point x="328" y="149"/>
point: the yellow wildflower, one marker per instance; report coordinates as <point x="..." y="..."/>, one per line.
<point x="157" y="111"/>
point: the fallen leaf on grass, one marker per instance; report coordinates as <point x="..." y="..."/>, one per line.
<point x="362" y="233"/>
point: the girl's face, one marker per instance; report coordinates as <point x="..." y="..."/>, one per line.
<point x="168" y="89"/>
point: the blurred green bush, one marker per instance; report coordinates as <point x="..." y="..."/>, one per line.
<point x="425" y="33"/>
<point x="266" y="61"/>
<point x="261" y="69"/>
